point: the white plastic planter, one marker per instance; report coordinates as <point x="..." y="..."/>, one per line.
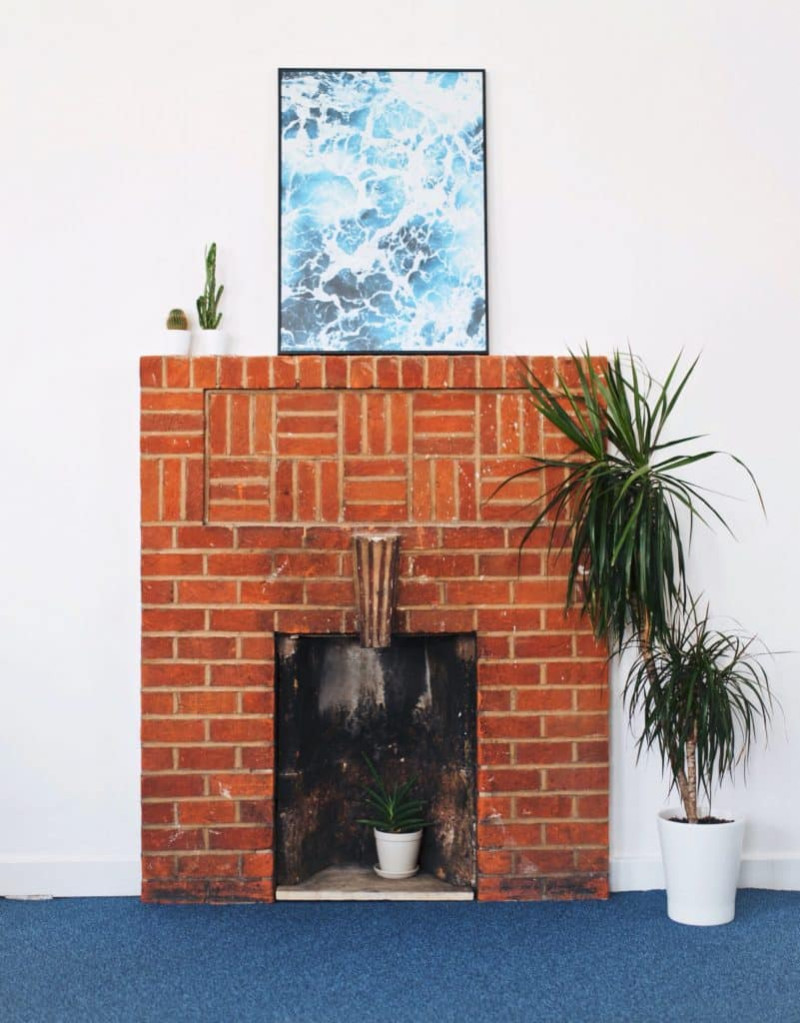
<point x="176" y="342"/>
<point x="701" y="868"/>
<point x="397" y="854"/>
<point x="210" y="342"/>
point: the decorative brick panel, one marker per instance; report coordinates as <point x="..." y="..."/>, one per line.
<point x="255" y="473"/>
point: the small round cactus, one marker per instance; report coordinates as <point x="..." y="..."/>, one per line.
<point x="177" y="320"/>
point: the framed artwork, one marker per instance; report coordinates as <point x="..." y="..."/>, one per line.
<point x="382" y="239"/>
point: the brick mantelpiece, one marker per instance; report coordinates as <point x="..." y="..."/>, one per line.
<point x="255" y="472"/>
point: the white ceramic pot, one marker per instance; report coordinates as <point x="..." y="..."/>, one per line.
<point x="701" y="868"/>
<point x="210" y="342"/>
<point x="176" y="342"/>
<point x="398" y="854"/>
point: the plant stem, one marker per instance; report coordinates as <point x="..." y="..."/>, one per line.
<point x="686" y="786"/>
<point x="690" y="804"/>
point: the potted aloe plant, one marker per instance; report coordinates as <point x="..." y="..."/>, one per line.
<point x="210" y="340"/>
<point x="696" y="694"/>
<point x="396" y="817"/>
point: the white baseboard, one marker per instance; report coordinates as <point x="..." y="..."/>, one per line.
<point x="632" y="874"/>
<point x="28" y="876"/>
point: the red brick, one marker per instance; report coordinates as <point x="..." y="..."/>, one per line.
<point x="157" y="591"/>
<point x="172" y="565"/>
<point x="241" y="674"/>
<point x="494" y="752"/>
<point x="362" y="371"/>
<point x="310" y="370"/>
<point x="465" y="371"/>
<point x="206" y="758"/>
<point x="478" y="537"/>
<point x="172" y="730"/>
<point x="205" y="865"/>
<point x="210" y="648"/>
<point x="158" y="866"/>
<point x="576" y="833"/>
<point x="285" y="371"/>
<point x="234" y="785"/>
<point x="168" y="786"/>
<point x="509" y="726"/>
<point x="256" y="811"/>
<point x="437" y="371"/>
<point x="575" y="725"/>
<point x="151" y="371"/>
<point x="245" y="838"/>
<point x="303" y="564"/>
<point x="239" y="564"/>
<point x="172" y="401"/>
<point x="257" y="864"/>
<point x="272" y="591"/>
<point x="171" y="839"/>
<point x="157" y="759"/>
<point x="207" y="811"/>
<point x="309" y="621"/>
<point x="256" y="372"/>
<point x="543" y="752"/>
<point x="412" y="371"/>
<point x="543" y="646"/>
<point x="173" y="675"/>
<point x="156" y="647"/>
<point x="158" y="813"/>
<point x="242" y="729"/>
<point x="542" y="807"/>
<point x="543" y="698"/>
<point x="545" y="861"/>
<point x="509" y="836"/>
<point x="238" y="890"/>
<point x="207" y="591"/>
<point x="241" y="620"/>
<point x="168" y="620"/>
<point x="335" y="371"/>
<point x="477" y="592"/>
<point x="576" y="779"/>
<point x="207" y="702"/>
<point x="491" y="861"/>
<point x="156" y="538"/>
<point x="499" y="779"/>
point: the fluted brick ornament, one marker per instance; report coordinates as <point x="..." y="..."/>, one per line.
<point x="375" y="577"/>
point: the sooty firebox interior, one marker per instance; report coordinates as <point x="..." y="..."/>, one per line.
<point x="411" y="709"/>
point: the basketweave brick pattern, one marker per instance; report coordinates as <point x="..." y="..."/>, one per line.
<point x="254" y="474"/>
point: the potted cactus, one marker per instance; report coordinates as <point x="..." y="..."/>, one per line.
<point x="178" y="335"/>
<point x="210" y="339"/>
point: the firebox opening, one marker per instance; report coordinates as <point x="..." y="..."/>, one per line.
<point x="411" y="708"/>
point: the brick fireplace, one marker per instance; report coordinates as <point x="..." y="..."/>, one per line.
<point x="255" y="474"/>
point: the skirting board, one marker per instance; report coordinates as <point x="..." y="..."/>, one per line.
<point x="31" y="877"/>
<point x="780" y="873"/>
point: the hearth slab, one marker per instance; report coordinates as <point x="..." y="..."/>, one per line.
<point x="362" y="884"/>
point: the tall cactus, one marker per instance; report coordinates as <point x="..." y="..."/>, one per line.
<point x="207" y="303"/>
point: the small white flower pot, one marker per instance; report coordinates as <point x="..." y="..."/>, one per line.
<point x="701" y="868"/>
<point x="176" y="342"/>
<point x="397" y="854"/>
<point x="210" y="342"/>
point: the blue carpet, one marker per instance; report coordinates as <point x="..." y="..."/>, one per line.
<point x="116" y="959"/>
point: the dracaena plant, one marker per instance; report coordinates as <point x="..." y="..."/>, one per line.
<point x="396" y="809"/>
<point x="701" y="695"/>
<point x="622" y="501"/>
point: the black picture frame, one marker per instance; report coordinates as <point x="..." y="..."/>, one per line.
<point x="284" y="349"/>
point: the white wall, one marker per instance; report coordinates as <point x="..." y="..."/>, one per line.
<point x="643" y="165"/>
